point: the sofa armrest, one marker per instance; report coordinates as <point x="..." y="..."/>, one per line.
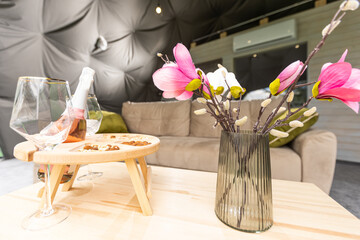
<point x="317" y="150"/>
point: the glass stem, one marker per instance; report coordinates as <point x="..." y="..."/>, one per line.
<point x="47" y="208"/>
<point x="89" y="169"/>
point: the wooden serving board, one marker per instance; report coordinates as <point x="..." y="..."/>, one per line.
<point x="70" y="153"/>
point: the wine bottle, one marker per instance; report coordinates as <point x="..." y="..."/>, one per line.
<point x="78" y="129"/>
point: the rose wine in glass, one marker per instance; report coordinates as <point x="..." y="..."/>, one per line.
<point x="43" y="114"/>
<point x="93" y="121"/>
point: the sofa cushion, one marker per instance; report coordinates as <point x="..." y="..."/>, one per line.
<point x="202" y="125"/>
<point x="293" y="132"/>
<point x="187" y="152"/>
<point x="158" y="118"/>
<point x="285" y="164"/>
<point x="112" y="123"/>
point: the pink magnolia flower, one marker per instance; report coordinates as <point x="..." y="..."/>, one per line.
<point x="286" y="78"/>
<point x="339" y="80"/>
<point x="173" y="78"/>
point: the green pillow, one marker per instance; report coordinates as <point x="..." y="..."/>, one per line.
<point x="293" y="133"/>
<point x="112" y="123"/>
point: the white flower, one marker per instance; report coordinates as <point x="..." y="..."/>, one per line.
<point x="290" y="98"/>
<point x="217" y="112"/>
<point x="235" y="110"/>
<point x="295" y="124"/>
<point x="226" y="105"/>
<point x="265" y="103"/>
<point x="278" y="133"/>
<point x="201" y="100"/>
<point x="327" y="28"/>
<point x="200" y="111"/>
<point x="217" y="79"/>
<point x="310" y="112"/>
<point x="349" y="5"/>
<point x="241" y="121"/>
<point x="232" y="81"/>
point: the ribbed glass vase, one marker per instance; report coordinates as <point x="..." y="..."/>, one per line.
<point x="243" y="190"/>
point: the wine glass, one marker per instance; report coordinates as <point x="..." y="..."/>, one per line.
<point x="93" y="116"/>
<point x="42" y="113"/>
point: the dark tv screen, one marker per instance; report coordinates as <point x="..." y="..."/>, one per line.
<point x="258" y="70"/>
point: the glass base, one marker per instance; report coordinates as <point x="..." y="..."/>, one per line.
<point x="38" y="221"/>
<point x="243" y="229"/>
<point x="90" y="176"/>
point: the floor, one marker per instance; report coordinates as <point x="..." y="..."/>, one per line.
<point x="346" y="186"/>
<point x="15" y="174"/>
<point x="345" y="189"/>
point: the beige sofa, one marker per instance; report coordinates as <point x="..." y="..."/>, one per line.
<point x="189" y="141"/>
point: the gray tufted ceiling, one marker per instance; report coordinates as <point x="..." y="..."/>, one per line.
<point x="57" y="38"/>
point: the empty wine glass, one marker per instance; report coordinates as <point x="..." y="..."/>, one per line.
<point x="42" y="113"/>
<point x="93" y="116"/>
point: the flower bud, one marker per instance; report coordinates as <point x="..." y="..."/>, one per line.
<point x="229" y="95"/>
<point x="286" y="78"/>
<point x="201" y="100"/>
<point x="226" y="105"/>
<point x="327" y="28"/>
<point x="217" y="112"/>
<point x="200" y="111"/>
<point x="295" y="124"/>
<point x="349" y="5"/>
<point x="241" y="121"/>
<point x="278" y="133"/>
<point x="265" y="103"/>
<point x="290" y="98"/>
<point x="235" y="110"/>
<point x="281" y="109"/>
<point x="159" y="54"/>
<point x="310" y="112"/>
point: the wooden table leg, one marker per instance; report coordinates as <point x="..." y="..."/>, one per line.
<point x="55" y="178"/>
<point x="67" y="186"/>
<point x="138" y="186"/>
<point x="146" y="171"/>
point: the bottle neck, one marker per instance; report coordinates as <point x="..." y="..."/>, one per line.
<point x="85" y="81"/>
<point x="79" y="99"/>
<point x="79" y="113"/>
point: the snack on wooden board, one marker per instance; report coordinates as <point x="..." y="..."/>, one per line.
<point x="95" y="147"/>
<point x="136" y="143"/>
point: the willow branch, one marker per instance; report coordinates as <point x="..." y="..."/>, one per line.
<point x="292" y="87"/>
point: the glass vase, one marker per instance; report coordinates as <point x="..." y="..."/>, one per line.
<point x="243" y="190"/>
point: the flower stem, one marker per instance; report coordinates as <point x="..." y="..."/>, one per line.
<point x="261" y="111"/>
